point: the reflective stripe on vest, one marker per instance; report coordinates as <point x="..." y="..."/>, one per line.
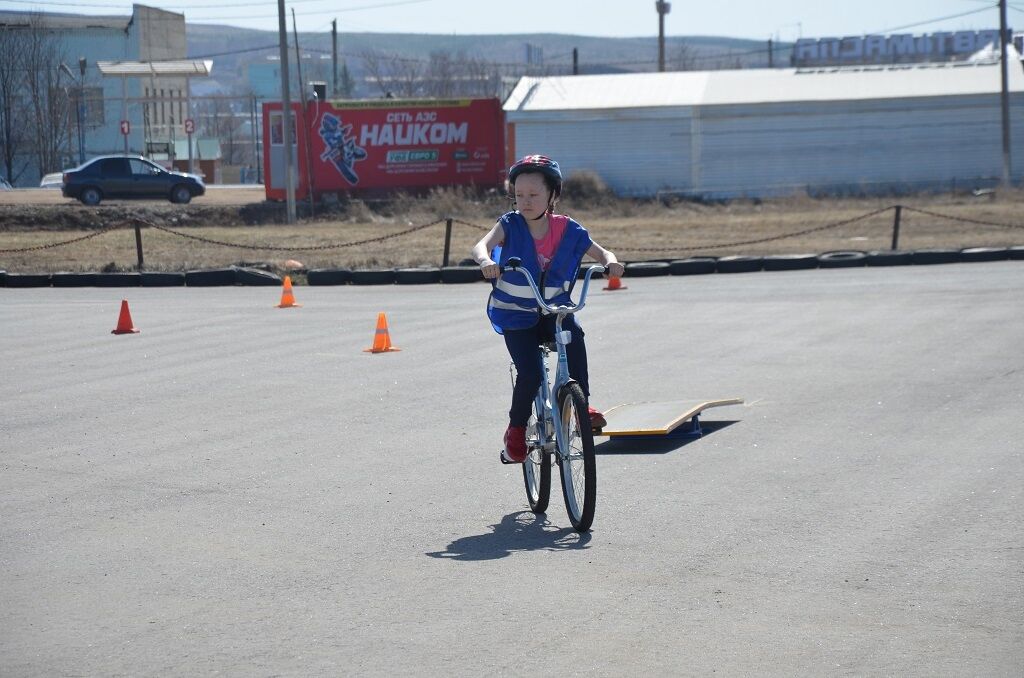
<point x="512" y="305"/>
<point x="524" y="291"/>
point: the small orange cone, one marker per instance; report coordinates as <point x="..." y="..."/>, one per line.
<point x="287" y="298"/>
<point x="124" y="321"/>
<point x="615" y="283"/>
<point x="381" y="338"/>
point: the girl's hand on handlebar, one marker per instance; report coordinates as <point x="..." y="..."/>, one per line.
<point x="490" y="270"/>
<point x="615" y="270"/>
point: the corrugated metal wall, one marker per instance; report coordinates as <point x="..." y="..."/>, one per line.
<point x="630" y="152"/>
<point x="869" y="146"/>
<point x="772" y="149"/>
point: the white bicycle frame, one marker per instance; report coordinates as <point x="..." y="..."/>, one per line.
<point x="552" y="417"/>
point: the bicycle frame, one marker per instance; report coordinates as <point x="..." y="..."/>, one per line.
<point x="543" y="401"/>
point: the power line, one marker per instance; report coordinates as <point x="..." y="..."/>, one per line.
<point x="933" y="21"/>
<point x="335" y="10"/>
<point x="237" y="51"/>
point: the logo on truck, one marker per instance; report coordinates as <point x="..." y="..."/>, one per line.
<point x="340" y="147"/>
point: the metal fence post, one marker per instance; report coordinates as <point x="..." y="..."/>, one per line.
<point x="447" y="240"/>
<point x="138" y="243"/>
<point x="896" y="227"/>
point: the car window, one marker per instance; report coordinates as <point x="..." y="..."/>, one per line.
<point x="143" y="168"/>
<point x="114" y="167"/>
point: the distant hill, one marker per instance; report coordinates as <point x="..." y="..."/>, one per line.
<point x="233" y="49"/>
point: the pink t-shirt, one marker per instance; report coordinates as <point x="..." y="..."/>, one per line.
<point x="548" y="245"/>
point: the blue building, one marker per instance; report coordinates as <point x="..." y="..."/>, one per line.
<point x="85" y="109"/>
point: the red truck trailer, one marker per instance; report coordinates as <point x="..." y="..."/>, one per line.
<point x="373" y="147"/>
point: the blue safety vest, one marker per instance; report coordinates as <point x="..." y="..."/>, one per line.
<point x="512" y="305"/>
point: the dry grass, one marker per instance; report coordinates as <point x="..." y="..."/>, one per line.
<point x="636" y="230"/>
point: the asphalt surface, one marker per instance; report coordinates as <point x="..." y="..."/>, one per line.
<point x="240" y="490"/>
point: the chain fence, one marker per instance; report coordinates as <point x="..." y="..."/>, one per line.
<point x="965" y="220"/>
<point x="62" y="243"/>
<point x="137" y="223"/>
<point x="291" y="248"/>
<point x="759" y="241"/>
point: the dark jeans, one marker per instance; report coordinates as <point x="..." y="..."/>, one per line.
<point x="524" y="347"/>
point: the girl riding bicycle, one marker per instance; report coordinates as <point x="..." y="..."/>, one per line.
<point x="551" y="246"/>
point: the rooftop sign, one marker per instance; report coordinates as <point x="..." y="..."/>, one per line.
<point x="892" y="49"/>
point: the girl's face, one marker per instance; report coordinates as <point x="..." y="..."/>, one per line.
<point x="531" y="195"/>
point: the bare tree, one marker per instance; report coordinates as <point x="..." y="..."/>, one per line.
<point x="683" y="58"/>
<point x="479" y="79"/>
<point x="13" y="139"/>
<point x="406" y="75"/>
<point x="394" y="75"/>
<point x="346" y="83"/>
<point x="48" y="98"/>
<point x="34" y="99"/>
<point x="373" y="64"/>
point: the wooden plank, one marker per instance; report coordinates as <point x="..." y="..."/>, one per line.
<point x="656" y="418"/>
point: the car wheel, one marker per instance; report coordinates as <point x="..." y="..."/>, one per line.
<point x="180" y="194"/>
<point x="90" y="195"/>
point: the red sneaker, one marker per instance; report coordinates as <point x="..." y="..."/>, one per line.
<point x="597" y="420"/>
<point x="515" y="445"/>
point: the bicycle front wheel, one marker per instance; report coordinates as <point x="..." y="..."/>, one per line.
<point x="537" y="467"/>
<point x="579" y="467"/>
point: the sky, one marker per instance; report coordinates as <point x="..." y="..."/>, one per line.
<point x="755" y="19"/>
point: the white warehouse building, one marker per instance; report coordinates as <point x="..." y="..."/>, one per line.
<point x="759" y="133"/>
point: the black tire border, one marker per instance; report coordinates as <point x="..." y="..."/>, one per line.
<point x="217" y="277"/>
<point x="890" y="258"/>
<point x="455" y="275"/>
<point x="647" y="269"/>
<point x="938" y="255"/>
<point x="26" y="280"/>
<point x="329" y="276"/>
<point x="980" y="254"/>
<point x="256" y="277"/>
<point x="790" y="262"/>
<point x="417" y="276"/>
<point x="693" y="266"/>
<point x="373" y="276"/>
<point x="739" y="263"/>
<point x="842" y="259"/>
<point x="162" y="279"/>
<point x="72" y="279"/>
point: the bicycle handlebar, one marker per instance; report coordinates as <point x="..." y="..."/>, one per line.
<point x="516" y="264"/>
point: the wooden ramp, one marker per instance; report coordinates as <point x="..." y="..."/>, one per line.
<point x="658" y="418"/>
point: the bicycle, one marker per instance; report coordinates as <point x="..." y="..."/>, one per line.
<point x="560" y="434"/>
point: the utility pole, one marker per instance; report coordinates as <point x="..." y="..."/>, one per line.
<point x="334" y="57"/>
<point x="286" y="114"/>
<point x="1004" y="95"/>
<point x="663" y="9"/>
<point x="302" y="102"/>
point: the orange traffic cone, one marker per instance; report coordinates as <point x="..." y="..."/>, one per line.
<point x="287" y="298"/>
<point x="124" y="321"/>
<point x="381" y="339"/>
<point x="615" y="283"/>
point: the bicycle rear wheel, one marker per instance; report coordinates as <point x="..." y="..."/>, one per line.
<point x="579" y="467"/>
<point x="537" y="467"/>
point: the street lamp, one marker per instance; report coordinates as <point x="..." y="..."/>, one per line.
<point x="79" y="104"/>
<point x="663" y="9"/>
